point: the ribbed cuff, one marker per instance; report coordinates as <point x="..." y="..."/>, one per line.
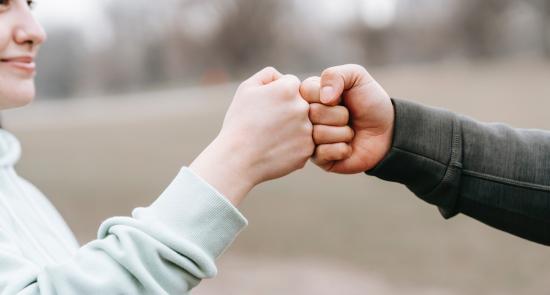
<point x="425" y="154"/>
<point x="192" y="208"/>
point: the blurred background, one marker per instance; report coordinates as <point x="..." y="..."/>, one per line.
<point x="129" y="91"/>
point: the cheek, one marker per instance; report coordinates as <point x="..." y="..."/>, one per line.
<point x="15" y="91"/>
<point x="4" y="36"/>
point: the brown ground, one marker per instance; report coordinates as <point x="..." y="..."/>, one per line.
<point x="310" y="233"/>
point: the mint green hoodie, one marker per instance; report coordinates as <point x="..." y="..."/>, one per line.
<point x="166" y="248"/>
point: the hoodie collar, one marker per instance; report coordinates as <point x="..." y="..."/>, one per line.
<point x="10" y="149"/>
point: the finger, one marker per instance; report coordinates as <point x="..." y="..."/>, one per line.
<point x="323" y="134"/>
<point x="327" y="153"/>
<point x="336" y="80"/>
<point x="328" y="115"/>
<point x="263" y="77"/>
<point x="310" y="89"/>
<point x="287" y="86"/>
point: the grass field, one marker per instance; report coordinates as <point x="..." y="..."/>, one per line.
<point x="309" y="233"/>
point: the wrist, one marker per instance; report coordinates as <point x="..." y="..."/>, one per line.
<point x="225" y="170"/>
<point x="388" y="137"/>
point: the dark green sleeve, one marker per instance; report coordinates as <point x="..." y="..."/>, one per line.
<point x="491" y="172"/>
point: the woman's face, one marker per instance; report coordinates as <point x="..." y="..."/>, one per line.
<point x="20" y="38"/>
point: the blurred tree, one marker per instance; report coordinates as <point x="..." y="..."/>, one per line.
<point x="374" y="42"/>
<point x="248" y="34"/>
<point x="481" y="27"/>
<point x="61" y="58"/>
<point x="195" y="41"/>
<point x="546" y="26"/>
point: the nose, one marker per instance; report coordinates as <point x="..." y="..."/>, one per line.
<point x="28" y="30"/>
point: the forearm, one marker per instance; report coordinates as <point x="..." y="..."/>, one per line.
<point x="496" y="174"/>
<point x="166" y="248"/>
<point x="225" y="168"/>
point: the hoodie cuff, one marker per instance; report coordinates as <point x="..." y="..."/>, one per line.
<point x="425" y="155"/>
<point x="192" y="208"/>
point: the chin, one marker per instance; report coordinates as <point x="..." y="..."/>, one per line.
<point x="17" y="95"/>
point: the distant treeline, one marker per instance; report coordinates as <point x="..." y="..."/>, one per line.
<point x="172" y="42"/>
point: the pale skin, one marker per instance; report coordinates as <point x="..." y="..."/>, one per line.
<point x="270" y="129"/>
<point x="350" y="128"/>
<point x="352" y="118"/>
<point x="20" y="40"/>
<point x="266" y="133"/>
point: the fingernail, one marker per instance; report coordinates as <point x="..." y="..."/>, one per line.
<point x="327" y="94"/>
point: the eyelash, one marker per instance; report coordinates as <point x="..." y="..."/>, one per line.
<point x="31" y="3"/>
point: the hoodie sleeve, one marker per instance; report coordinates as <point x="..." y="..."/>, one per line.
<point x="494" y="173"/>
<point x="166" y="248"/>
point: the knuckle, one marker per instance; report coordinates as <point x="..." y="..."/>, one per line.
<point x="300" y="163"/>
<point x="330" y="73"/>
<point x="294" y="83"/>
<point x="356" y="68"/>
<point x="293" y="79"/>
<point x="304" y="106"/>
<point x="291" y="87"/>
<point x="304" y="88"/>
<point x="270" y="69"/>
<point x="346" y="151"/>
<point x="310" y="88"/>
<point x="315" y="112"/>
<point x="311" y="81"/>
<point x="349" y="133"/>
<point x="310" y="84"/>
<point x="308" y="128"/>
<point x="359" y="69"/>
<point x="315" y="161"/>
<point x="318" y="134"/>
<point x="320" y="157"/>
<point x="314" y="79"/>
<point x="311" y="149"/>
<point x="344" y="112"/>
<point x="323" y="152"/>
<point x="300" y="108"/>
<point x="341" y="151"/>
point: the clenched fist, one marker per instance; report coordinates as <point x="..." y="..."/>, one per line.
<point x="266" y="134"/>
<point x="360" y="143"/>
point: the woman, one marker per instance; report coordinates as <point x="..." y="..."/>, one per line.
<point x="168" y="247"/>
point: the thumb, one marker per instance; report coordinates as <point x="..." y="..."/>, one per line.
<point x="336" y="80"/>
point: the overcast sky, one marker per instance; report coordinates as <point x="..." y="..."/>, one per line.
<point x="84" y="15"/>
<point x="67" y="12"/>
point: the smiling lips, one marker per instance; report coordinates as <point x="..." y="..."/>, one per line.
<point x="24" y="64"/>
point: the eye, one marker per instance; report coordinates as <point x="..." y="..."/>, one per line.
<point x="31" y="3"/>
<point x="4" y="5"/>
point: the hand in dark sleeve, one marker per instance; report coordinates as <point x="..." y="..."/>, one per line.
<point x="491" y="172"/>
